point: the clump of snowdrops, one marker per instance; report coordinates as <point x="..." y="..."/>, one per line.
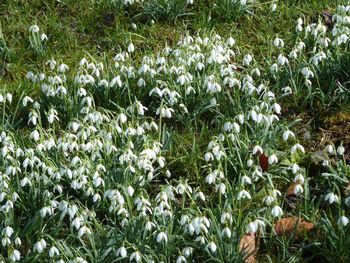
<point x="85" y="174"/>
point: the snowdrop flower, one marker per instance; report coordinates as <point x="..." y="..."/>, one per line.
<point x="288" y="134"/>
<point x="278" y="42"/>
<point x="122" y="252"/>
<point x="343" y="221"/>
<point x="83" y="230"/>
<point x="53" y="251"/>
<point x="15" y="255"/>
<point x="273" y="7"/>
<point x="268" y="200"/>
<point x="332" y="198"/>
<point x="7" y="231"/>
<point x="298" y="189"/>
<point x="34" y="29"/>
<point x="299" y="26"/>
<point x="276" y="211"/>
<point x="40" y="246"/>
<point x="247" y="59"/>
<point x="130" y="190"/>
<point x="252" y="227"/>
<point x="35" y="135"/>
<point x="162" y="237"/>
<point x="212" y="247"/>
<point x="43" y="37"/>
<point x="297" y="147"/>
<point x="230" y="42"/>
<point x="243" y="194"/>
<point x="273" y="159"/>
<point x="181" y="259"/>
<point x="135" y="256"/>
<point x="226" y="232"/>
<point x="340" y="150"/>
<point x="330" y="149"/>
<point x="131" y="48"/>
<point x="257" y="150"/>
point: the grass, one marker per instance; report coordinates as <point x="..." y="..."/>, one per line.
<point x="85" y="182"/>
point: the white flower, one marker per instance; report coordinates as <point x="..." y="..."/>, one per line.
<point x="258" y="150"/>
<point x="273" y="159"/>
<point x="247" y="59"/>
<point x="226" y="232"/>
<point x="278" y="42"/>
<point x="297" y="147"/>
<point x="230" y="42"/>
<point x="136" y="255"/>
<point x="276" y="211"/>
<point x="243" y="194"/>
<point x="83" y="230"/>
<point x="15" y="255"/>
<point x="340" y="150"/>
<point x="252" y="227"/>
<point x="181" y="259"/>
<point x="130" y="190"/>
<point x="212" y="247"/>
<point x="343" y="221"/>
<point x="330" y="149"/>
<point x="43" y="37"/>
<point x="122" y="252"/>
<point x="40" y="246"/>
<point x="331" y="198"/>
<point x="288" y="134"/>
<point x="298" y="189"/>
<point x="34" y="29"/>
<point x="131" y="48"/>
<point x="162" y="237"/>
<point x="7" y="231"/>
<point x="268" y="200"/>
<point x="53" y="251"/>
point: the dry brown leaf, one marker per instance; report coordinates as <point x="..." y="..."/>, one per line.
<point x="291" y="197"/>
<point x="264" y="162"/>
<point x="328" y="17"/>
<point x="248" y="245"/>
<point x="293" y="225"/>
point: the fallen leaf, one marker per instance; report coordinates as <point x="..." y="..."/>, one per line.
<point x="291" y="196"/>
<point x="327" y="15"/>
<point x="293" y="225"/>
<point x="264" y="162"/>
<point x="248" y="245"/>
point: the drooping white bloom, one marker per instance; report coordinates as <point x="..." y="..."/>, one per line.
<point x="53" y="251"/>
<point x="343" y="221"/>
<point x="34" y="29"/>
<point x="268" y="200"/>
<point x="243" y="194"/>
<point x="273" y="159"/>
<point x="212" y="247"/>
<point x="297" y="147"/>
<point x="40" y="246"/>
<point x="135" y="256"/>
<point x="15" y="255"/>
<point x="258" y="150"/>
<point x="332" y="198"/>
<point x="288" y="134"/>
<point x="131" y="47"/>
<point x="276" y="211"/>
<point x="226" y="232"/>
<point x="162" y="237"/>
<point x="340" y="150"/>
<point x="122" y="252"/>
